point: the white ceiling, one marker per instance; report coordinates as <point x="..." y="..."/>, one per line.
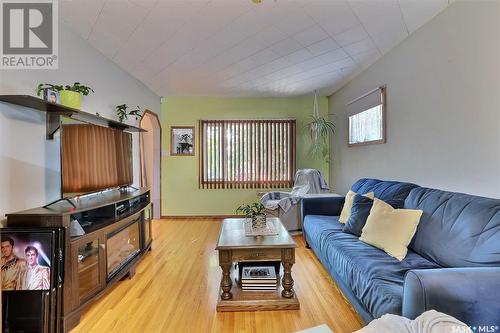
<point x="238" y="48"/>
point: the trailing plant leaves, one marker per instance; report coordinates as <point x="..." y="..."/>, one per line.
<point x="319" y="129"/>
<point x="43" y="86"/>
<point x="252" y="209"/>
<point x="76" y="87"/>
<point x="121" y="112"/>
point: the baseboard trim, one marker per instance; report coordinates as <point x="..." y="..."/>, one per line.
<point x="211" y="217"/>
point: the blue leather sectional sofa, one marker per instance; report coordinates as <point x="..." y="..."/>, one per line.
<point x="452" y="265"/>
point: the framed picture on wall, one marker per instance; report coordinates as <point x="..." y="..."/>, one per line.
<point x="182" y="141"/>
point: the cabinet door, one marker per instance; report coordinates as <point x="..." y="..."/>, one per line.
<point x="89" y="258"/>
<point x="147" y="232"/>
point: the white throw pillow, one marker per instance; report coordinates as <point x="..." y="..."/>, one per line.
<point x="390" y="229"/>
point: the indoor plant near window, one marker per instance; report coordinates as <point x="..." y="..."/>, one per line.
<point x="254" y="211"/>
<point x="71" y="96"/>
<point x="122" y="113"/>
<point x="319" y="128"/>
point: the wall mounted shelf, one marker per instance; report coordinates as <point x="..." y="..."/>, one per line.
<point x="55" y="111"/>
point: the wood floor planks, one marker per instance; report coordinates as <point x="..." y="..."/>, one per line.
<point x="176" y="286"/>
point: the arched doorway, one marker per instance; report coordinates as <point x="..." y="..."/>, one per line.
<point x="150" y="143"/>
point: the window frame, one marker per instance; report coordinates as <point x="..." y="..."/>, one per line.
<point x="384" y="119"/>
<point x="258" y="182"/>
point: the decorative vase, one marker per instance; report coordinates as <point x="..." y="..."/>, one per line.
<point x="259" y="221"/>
<point x="71" y="99"/>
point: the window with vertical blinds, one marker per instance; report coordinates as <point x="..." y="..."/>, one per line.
<point x="247" y="153"/>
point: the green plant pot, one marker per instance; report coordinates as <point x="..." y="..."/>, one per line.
<point x="71" y="99"/>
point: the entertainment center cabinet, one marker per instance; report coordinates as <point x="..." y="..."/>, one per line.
<point x="117" y="226"/>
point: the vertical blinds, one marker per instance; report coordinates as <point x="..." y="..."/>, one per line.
<point x="247" y="153"/>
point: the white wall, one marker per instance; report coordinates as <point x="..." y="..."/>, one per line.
<point x="443" y="119"/>
<point x="29" y="164"/>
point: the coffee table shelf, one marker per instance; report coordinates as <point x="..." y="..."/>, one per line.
<point x="244" y="300"/>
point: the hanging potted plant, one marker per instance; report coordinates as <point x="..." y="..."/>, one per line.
<point x="256" y="212"/>
<point x="319" y="128"/>
<point x="71" y="96"/>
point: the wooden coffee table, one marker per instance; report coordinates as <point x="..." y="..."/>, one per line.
<point x="234" y="246"/>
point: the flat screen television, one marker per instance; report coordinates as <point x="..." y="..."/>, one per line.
<point x="94" y="158"/>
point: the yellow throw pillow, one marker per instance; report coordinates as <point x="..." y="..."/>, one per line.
<point x="390" y="229"/>
<point x="346" y="210"/>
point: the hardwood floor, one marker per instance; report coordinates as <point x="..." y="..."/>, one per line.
<point x="176" y="286"/>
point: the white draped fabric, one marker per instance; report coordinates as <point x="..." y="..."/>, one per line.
<point x="428" y="322"/>
<point x="366" y="126"/>
<point x="307" y="181"/>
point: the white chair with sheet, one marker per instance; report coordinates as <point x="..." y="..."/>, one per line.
<point x="286" y="205"/>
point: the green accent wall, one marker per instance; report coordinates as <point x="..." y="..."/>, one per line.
<point x="180" y="193"/>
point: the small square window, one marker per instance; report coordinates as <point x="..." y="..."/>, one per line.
<point x="366" y="116"/>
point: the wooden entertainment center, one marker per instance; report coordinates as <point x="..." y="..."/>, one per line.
<point x="101" y="236"/>
<point x="117" y="235"/>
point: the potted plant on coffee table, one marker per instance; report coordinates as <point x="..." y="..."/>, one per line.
<point x="256" y="212"/>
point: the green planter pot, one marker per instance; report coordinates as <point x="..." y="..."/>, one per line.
<point x="71" y="99"/>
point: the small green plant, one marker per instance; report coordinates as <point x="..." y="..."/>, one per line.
<point x="42" y="86"/>
<point x="121" y="112"/>
<point x="252" y="209"/>
<point x="76" y="87"/>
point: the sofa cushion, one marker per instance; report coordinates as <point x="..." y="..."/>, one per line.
<point x="374" y="277"/>
<point x="346" y="210"/>
<point x="360" y="210"/>
<point x="390" y="229"/>
<point x="383" y="189"/>
<point x="456" y="229"/>
<point x="316" y="227"/>
<point x="359" y="213"/>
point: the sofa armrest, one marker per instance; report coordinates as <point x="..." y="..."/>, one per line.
<point x="331" y="206"/>
<point x="469" y="294"/>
